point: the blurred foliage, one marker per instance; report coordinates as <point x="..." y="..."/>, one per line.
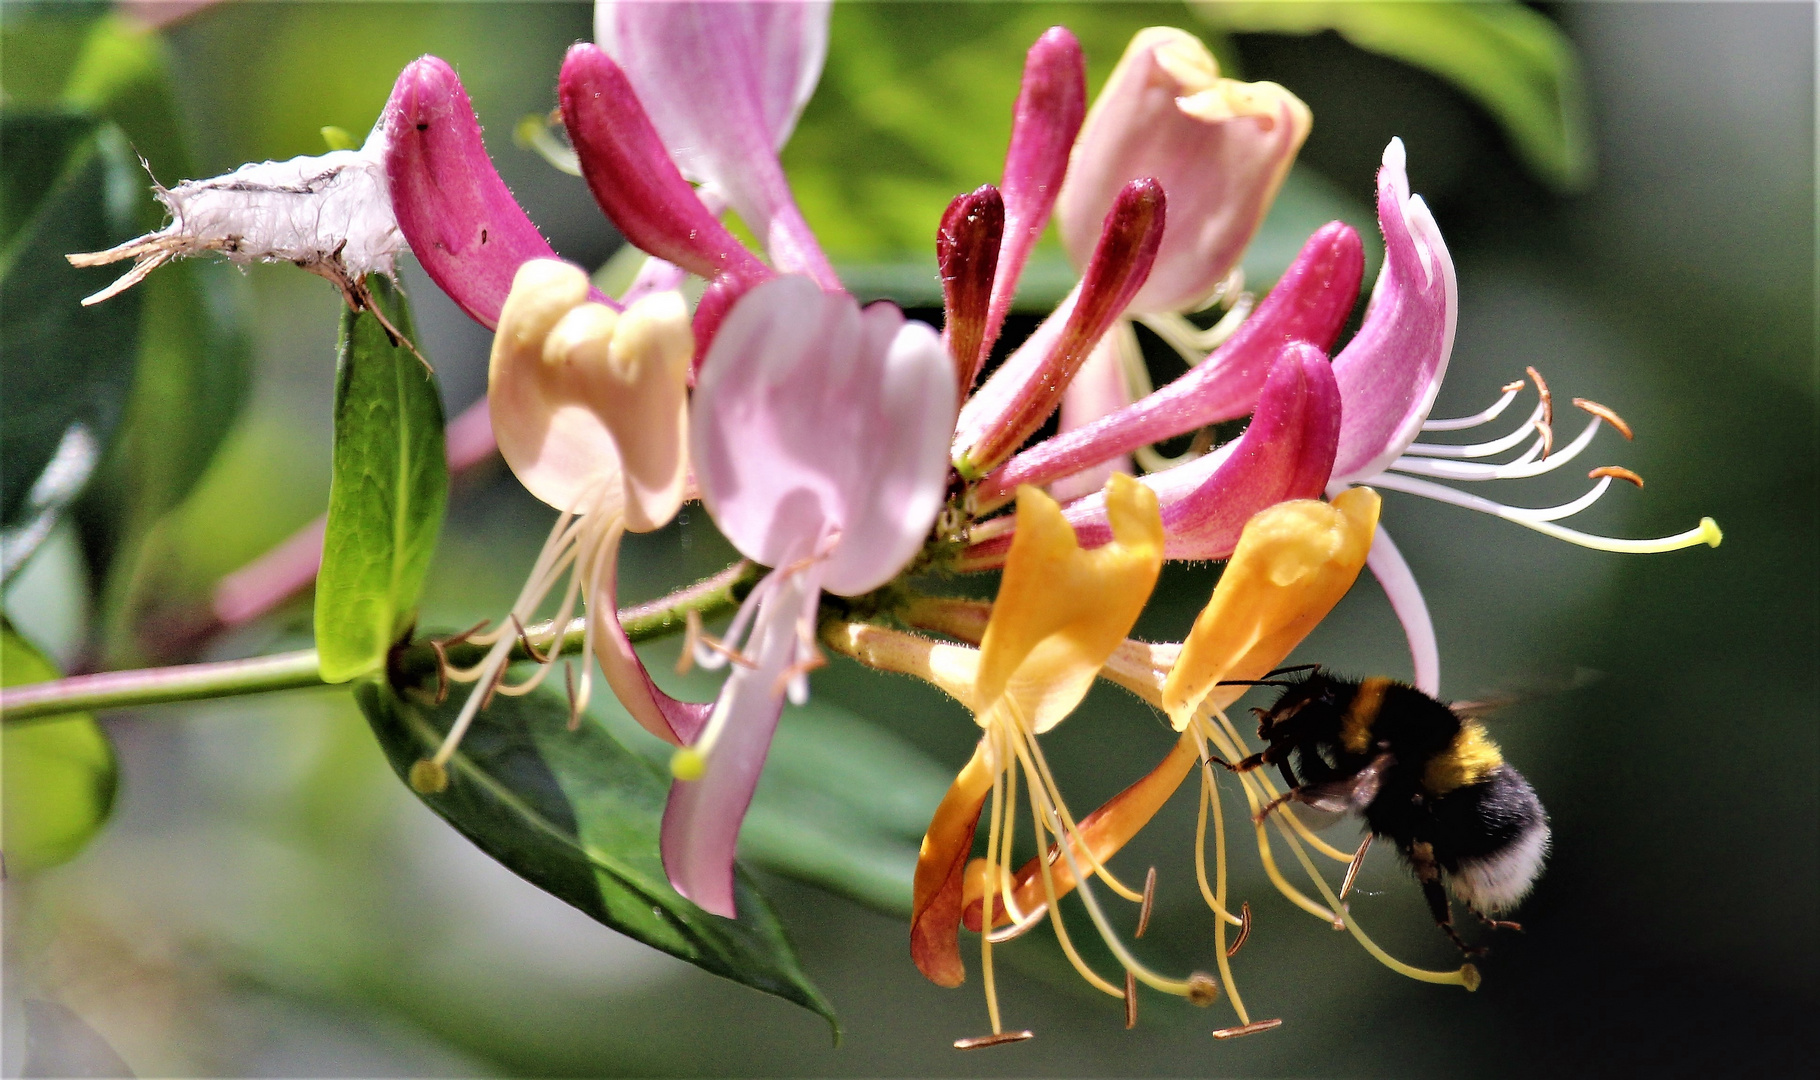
<point x="59" y="775"/>
<point x="388" y="491"/>
<point x="1512" y="60"/>
<point x="577" y="814"/>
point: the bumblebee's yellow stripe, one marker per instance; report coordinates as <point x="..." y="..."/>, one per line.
<point x="1355" y="726"/>
<point x="1469" y="760"/>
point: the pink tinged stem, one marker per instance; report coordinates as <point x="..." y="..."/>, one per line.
<point x="702" y="819"/>
<point x="632" y="176"/>
<point x="1286" y="453"/>
<point x="967" y="251"/>
<point x="1310" y="303"/>
<point x="461" y="221"/>
<point x="1050" y="106"/>
<point x="1020" y="395"/>
<point x="1405" y="595"/>
<point x="1391" y="370"/>
<point x="675" y="722"/>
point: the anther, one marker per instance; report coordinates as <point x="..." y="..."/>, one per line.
<point x="1511" y="387"/>
<point x="568" y="683"/>
<point x="1604" y="413"/>
<point x="1352" y="869"/>
<point x="1247" y="1029"/>
<point x="1149" y="902"/>
<point x="428" y="778"/>
<point x="1546" y="425"/>
<point x="1232" y="950"/>
<point x="1130" y="1000"/>
<point x="524" y="639"/>
<point x="980" y="1042"/>
<point x="1202" y="989"/>
<point x="442" y="672"/>
<point x="801" y="667"/>
<point x="1616" y="472"/>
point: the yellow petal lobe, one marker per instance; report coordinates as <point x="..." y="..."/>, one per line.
<point x="1293" y="563"/>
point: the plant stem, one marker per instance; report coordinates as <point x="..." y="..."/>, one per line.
<point x="709" y="598"/>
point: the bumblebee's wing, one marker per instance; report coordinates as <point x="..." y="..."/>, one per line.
<point x="1533" y="689"/>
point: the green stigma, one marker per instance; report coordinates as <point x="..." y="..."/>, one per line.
<point x="688" y="764"/>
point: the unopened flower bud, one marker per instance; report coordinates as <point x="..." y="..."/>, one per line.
<point x="1219" y="147"/>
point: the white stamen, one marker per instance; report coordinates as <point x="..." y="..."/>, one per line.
<point x="1540" y="520"/>
<point x="1477" y="450"/>
<point x="1461" y="423"/>
<point x="1523" y="467"/>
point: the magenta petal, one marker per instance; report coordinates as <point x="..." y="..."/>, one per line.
<point x="702" y="818"/>
<point x="462" y="223"/>
<point x="1286" y="453"/>
<point x="1050" y="106"/>
<point x="1391" y="370"/>
<point x="632" y="176"/>
<point x="1310" y="303"/>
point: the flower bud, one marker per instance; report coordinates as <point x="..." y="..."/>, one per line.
<point x="1219" y="147"/>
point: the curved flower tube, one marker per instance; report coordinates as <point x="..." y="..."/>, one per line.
<point x="793" y="371"/>
<point x="1310" y="303"/>
<point x="1285" y="453"/>
<point x="467" y="231"/>
<point x="1220" y="149"/>
<point x="724" y="85"/>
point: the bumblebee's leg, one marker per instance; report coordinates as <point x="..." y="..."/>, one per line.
<point x="1270" y="755"/>
<point x="1422" y="861"/>
<point x="1495" y="924"/>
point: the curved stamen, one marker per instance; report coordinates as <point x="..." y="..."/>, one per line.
<point x="1516" y="470"/>
<point x="1477" y="450"/>
<point x="1707" y="532"/>
<point x="1461" y="423"/>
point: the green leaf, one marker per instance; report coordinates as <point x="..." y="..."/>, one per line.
<point x="59" y="775"/>
<point x="1514" y="61"/>
<point x="387" y="491"/>
<point x="67" y="369"/>
<point x="577" y="814"/>
<point x="844" y="805"/>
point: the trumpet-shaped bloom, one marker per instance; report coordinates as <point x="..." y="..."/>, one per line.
<point x="1220" y="149"/>
<point x="820" y="443"/>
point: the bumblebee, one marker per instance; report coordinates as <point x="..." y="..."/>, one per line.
<point x="1423" y="774"/>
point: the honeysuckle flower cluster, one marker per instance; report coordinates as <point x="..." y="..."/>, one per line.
<point x="858" y="454"/>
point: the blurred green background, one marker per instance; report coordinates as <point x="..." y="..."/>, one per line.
<point x="269" y="901"/>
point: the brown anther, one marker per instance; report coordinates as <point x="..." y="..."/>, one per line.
<point x="1548" y="437"/>
<point x="691" y="637"/>
<point x="1130" y="1001"/>
<point x="1605" y="413"/>
<point x="568" y="685"/>
<point x="428" y="778"/>
<point x="524" y="639"/>
<point x="1248" y="1029"/>
<point x="457" y="639"/>
<point x="801" y="667"/>
<point x="1148" y="903"/>
<point x="1616" y="472"/>
<point x="1548" y="401"/>
<point x="1232" y="950"/>
<point x="1352" y="869"/>
<point x="442" y="672"/>
<point x="980" y="1042"/>
<point x="1511" y="387"/>
<point x="1202" y="990"/>
<point x="491" y="688"/>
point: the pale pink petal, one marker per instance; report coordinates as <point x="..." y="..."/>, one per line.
<point x="675" y="722"/>
<point x="1391" y="370"/>
<point x="462" y="223"/>
<point x="1022" y="393"/>
<point x="1097" y="392"/>
<point x="1220" y="149"/>
<point x="702" y="818"/>
<point x="793" y="374"/>
<point x="1399" y="583"/>
<point x="1286" y="453"/>
<point x="723" y="84"/>
<point x="1310" y="303"/>
<point x="1044" y="123"/>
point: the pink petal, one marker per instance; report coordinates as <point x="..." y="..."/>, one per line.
<point x="1018" y="397"/>
<point x="1399" y="583"/>
<point x="821" y="430"/>
<point x="1310" y="303"/>
<point x="1286" y="453"/>
<point x="1044" y="123"/>
<point x="1218" y="147"/>
<point x="702" y="817"/>
<point x="723" y="84"/>
<point x="1391" y="370"/>
<point x="1097" y="392"/>
<point x="462" y="223"/>
<point x="632" y="176"/>
<point x="675" y="722"/>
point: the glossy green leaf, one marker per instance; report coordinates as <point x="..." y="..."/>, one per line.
<point x="577" y="814"/>
<point x="1512" y="60"/>
<point x="67" y="369"/>
<point x="59" y="775"/>
<point x="387" y="492"/>
<point x="844" y="805"/>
